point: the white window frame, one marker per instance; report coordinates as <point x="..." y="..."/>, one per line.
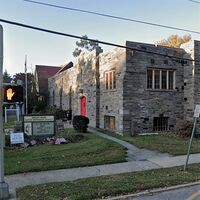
<point x="110" y="86"/>
<point x="167" y="77"/>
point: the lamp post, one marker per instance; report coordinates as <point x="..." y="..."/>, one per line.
<point x="4" y="189"/>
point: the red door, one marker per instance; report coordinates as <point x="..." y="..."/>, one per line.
<point x="83" y="106"/>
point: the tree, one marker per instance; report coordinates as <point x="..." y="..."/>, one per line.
<point x="19" y="78"/>
<point x="175" y="40"/>
<point x="85" y="44"/>
<point x="6" y="77"/>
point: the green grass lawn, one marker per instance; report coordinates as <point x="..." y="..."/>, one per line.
<point x="92" y="150"/>
<point x="105" y="186"/>
<point x="9" y="124"/>
<point x="11" y="121"/>
<point x="167" y="143"/>
<point x="164" y="143"/>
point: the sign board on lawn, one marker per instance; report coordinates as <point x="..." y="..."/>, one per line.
<point x="39" y="124"/>
<point x="17" y="138"/>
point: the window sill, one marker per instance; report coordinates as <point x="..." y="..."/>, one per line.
<point x="160" y="90"/>
<point x="114" y="90"/>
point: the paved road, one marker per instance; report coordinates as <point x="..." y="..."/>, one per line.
<point x="188" y="193"/>
<point x="181" y="192"/>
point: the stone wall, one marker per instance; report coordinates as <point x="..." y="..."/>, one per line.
<point x="197" y="79"/>
<point x="197" y="72"/>
<point x="86" y="85"/>
<point x="188" y="80"/>
<point x="76" y="82"/>
<point x="63" y="86"/>
<point x="141" y="105"/>
<point x="87" y="78"/>
<point x="131" y="103"/>
<point x="111" y="101"/>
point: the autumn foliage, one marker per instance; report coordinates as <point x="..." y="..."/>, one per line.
<point x="175" y="40"/>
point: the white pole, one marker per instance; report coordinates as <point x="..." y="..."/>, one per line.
<point x="17" y="112"/>
<point x="26" y="85"/>
<point x="4" y="191"/>
<point x="6" y="115"/>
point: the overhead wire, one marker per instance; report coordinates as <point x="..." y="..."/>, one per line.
<point x="112" y="16"/>
<point x="92" y="40"/>
<point x="194" y="1"/>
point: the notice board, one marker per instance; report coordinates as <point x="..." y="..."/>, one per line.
<point x="39" y="124"/>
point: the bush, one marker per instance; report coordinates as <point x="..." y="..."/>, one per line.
<point x="184" y="128"/>
<point x="80" y="123"/>
<point x="39" y="107"/>
<point x="7" y="140"/>
<point x="58" y="113"/>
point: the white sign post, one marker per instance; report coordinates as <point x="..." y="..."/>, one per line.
<point x="4" y="189"/>
<point x="17" y="138"/>
<point x="196" y="115"/>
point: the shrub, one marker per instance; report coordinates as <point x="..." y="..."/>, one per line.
<point x="7" y="140"/>
<point x="58" y="113"/>
<point x="80" y="123"/>
<point x="39" y="107"/>
<point x="184" y="128"/>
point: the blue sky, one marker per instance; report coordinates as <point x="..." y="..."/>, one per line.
<point x="47" y="49"/>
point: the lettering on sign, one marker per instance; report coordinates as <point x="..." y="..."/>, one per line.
<point x="17" y="138"/>
<point x="38" y="118"/>
<point x="43" y="128"/>
<point x="39" y="124"/>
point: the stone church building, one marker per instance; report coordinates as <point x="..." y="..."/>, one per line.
<point x="128" y="91"/>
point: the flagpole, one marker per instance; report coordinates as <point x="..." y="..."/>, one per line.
<point x="26" y="82"/>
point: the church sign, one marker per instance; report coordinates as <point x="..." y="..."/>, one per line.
<point x="39" y="124"/>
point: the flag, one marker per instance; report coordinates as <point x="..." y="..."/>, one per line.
<point x="25" y="64"/>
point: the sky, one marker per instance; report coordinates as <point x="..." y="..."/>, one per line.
<point x="47" y="49"/>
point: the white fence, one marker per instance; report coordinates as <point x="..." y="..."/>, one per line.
<point x="17" y="111"/>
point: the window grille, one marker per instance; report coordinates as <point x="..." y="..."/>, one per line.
<point x="159" y="79"/>
<point x="160" y="124"/>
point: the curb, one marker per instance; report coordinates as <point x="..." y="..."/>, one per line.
<point x="153" y="191"/>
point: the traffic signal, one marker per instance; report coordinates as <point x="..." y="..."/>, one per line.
<point x="13" y="93"/>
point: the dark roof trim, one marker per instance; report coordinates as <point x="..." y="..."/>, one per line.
<point x="65" y="67"/>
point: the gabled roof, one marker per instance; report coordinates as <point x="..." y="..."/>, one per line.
<point x="43" y="72"/>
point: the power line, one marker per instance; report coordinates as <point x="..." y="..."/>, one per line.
<point x="112" y="16"/>
<point x="194" y="1"/>
<point x="92" y="40"/>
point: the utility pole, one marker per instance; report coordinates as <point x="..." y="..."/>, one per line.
<point x="4" y="189"/>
